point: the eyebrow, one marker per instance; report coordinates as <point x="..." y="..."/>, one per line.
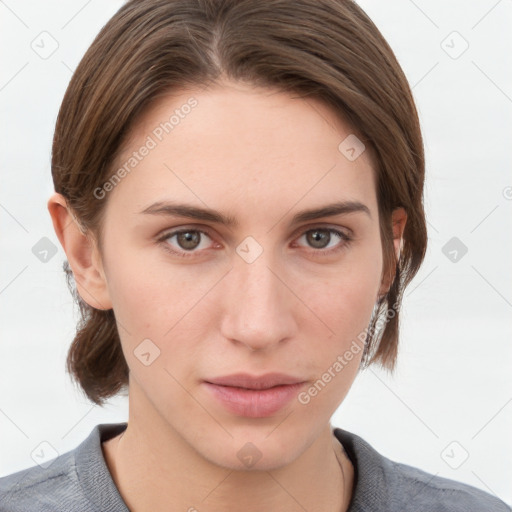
<point x="171" y="209"/>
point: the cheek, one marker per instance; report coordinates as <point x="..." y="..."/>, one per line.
<point x="144" y="289"/>
<point x="344" y="307"/>
<point x="346" y="299"/>
<point x="156" y="305"/>
<point x="141" y="303"/>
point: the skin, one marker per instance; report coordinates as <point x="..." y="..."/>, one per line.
<point x="260" y="156"/>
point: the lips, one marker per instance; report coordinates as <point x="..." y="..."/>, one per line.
<point x="252" y="396"/>
<point x="244" y="380"/>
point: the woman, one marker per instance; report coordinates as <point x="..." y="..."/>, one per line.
<point x="238" y="190"/>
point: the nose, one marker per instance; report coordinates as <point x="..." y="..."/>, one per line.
<point x="258" y="304"/>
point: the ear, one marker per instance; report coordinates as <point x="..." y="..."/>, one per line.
<point x="398" y="220"/>
<point x="82" y="254"/>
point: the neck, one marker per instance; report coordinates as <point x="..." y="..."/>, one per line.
<point x="154" y="466"/>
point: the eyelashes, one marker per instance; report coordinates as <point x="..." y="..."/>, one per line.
<point x="183" y="253"/>
<point x="315" y="252"/>
<point x="346" y="239"/>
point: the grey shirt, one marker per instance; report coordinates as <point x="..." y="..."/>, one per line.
<point x="79" y="481"/>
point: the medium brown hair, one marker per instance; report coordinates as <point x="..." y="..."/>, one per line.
<point x="324" y="49"/>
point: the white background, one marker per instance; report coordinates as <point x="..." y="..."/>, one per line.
<point x="453" y="382"/>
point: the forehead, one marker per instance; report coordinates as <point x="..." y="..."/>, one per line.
<point x="241" y="144"/>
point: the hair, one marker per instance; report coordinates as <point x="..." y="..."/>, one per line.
<point x="324" y="49"/>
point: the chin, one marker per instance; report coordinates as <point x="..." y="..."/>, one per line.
<point x="256" y="451"/>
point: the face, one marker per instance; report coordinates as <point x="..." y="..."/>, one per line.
<point x="197" y="299"/>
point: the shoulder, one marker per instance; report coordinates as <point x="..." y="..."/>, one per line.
<point x="435" y="493"/>
<point x="53" y="487"/>
<point x="77" y="480"/>
<point x="385" y="485"/>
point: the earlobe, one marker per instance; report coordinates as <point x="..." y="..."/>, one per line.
<point x="398" y="221"/>
<point x="82" y="254"/>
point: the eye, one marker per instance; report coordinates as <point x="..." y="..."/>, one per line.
<point x="187" y="239"/>
<point x="319" y="238"/>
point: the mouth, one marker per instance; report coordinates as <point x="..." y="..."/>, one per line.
<point x="246" y="381"/>
<point x="253" y="396"/>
